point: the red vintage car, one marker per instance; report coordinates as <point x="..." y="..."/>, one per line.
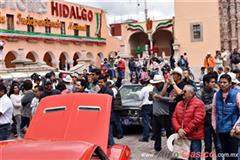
<point x="67" y="127"/>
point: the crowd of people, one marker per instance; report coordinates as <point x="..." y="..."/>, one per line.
<point x="171" y="99"/>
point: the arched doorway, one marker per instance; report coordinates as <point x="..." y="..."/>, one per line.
<point x="76" y="56"/>
<point x="33" y="56"/>
<point x="49" y="58"/>
<point x="64" y="61"/>
<point x="10" y="56"/>
<point x="136" y="40"/>
<point x="162" y="41"/>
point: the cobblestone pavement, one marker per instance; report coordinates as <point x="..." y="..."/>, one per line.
<point x="144" y="150"/>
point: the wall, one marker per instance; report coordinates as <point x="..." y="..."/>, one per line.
<point x="70" y="47"/>
<point x="205" y="12"/>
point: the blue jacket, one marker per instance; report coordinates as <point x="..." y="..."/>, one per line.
<point x="227" y="113"/>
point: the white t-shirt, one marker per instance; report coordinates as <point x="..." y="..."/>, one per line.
<point x="6" y="110"/>
<point x="144" y="94"/>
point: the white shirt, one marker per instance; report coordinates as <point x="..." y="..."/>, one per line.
<point x="6" y="108"/>
<point x="144" y="94"/>
<point x="115" y="91"/>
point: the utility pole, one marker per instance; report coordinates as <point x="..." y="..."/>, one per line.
<point x="145" y="10"/>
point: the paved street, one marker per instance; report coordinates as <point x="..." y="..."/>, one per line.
<point x="144" y="150"/>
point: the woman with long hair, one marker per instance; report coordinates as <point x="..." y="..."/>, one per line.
<point x="16" y="97"/>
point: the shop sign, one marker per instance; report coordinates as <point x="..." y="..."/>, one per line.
<point x="32" y="6"/>
<point x="2" y="19"/>
<point x="70" y="11"/>
<point x="36" y="22"/>
<point x="76" y="27"/>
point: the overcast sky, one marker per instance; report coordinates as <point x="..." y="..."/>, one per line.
<point x="120" y="10"/>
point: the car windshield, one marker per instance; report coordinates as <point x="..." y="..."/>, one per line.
<point x="129" y="95"/>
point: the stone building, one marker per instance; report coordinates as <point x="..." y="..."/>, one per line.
<point x="229" y="11"/>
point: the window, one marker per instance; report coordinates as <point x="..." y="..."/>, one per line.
<point x="75" y="30"/>
<point x="87" y="30"/>
<point x="63" y="30"/>
<point x="30" y="28"/>
<point x="10" y="22"/>
<point x="47" y="28"/>
<point x="196" y="32"/>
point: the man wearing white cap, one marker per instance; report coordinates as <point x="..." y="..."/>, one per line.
<point x="161" y="115"/>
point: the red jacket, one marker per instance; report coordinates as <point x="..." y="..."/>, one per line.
<point x="192" y="118"/>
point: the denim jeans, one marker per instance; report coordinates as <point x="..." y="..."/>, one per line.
<point x="25" y="122"/>
<point x="121" y="74"/>
<point x="5" y="132"/>
<point x="147" y="111"/>
<point x="210" y="137"/>
<point x="18" y="119"/>
<point x="117" y="123"/>
<point x="110" y="136"/>
<point x="195" y="149"/>
<point x="111" y="73"/>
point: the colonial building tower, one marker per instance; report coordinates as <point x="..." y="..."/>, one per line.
<point x="229" y="23"/>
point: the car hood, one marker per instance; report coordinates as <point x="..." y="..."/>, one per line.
<point x="48" y="150"/>
<point x="72" y="117"/>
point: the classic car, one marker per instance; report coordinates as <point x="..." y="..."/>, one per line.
<point x="130" y="112"/>
<point x="67" y="127"/>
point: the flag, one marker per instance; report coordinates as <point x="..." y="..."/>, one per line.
<point x="165" y="24"/>
<point x="99" y="24"/>
<point x="132" y="27"/>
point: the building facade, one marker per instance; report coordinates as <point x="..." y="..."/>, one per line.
<point x="153" y="38"/>
<point x="56" y="32"/>
<point x="196" y="30"/>
<point x="206" y="26"/>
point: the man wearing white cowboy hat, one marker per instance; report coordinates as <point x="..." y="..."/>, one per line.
<point x="68" y="84"/>
<point x="235" y="81"/>
<point x="161" y="116"/>
<point x="175" y="86"/>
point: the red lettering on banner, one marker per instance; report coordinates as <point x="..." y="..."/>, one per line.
<point x="72" y="13"/>
<point x="84" y="15"/>
<point x="54" y="8"/>
<point x="65" y="11"/>
<point x="90" y="15"/>
<point x="78" y="16"/>
<point x="60" y="10"/>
